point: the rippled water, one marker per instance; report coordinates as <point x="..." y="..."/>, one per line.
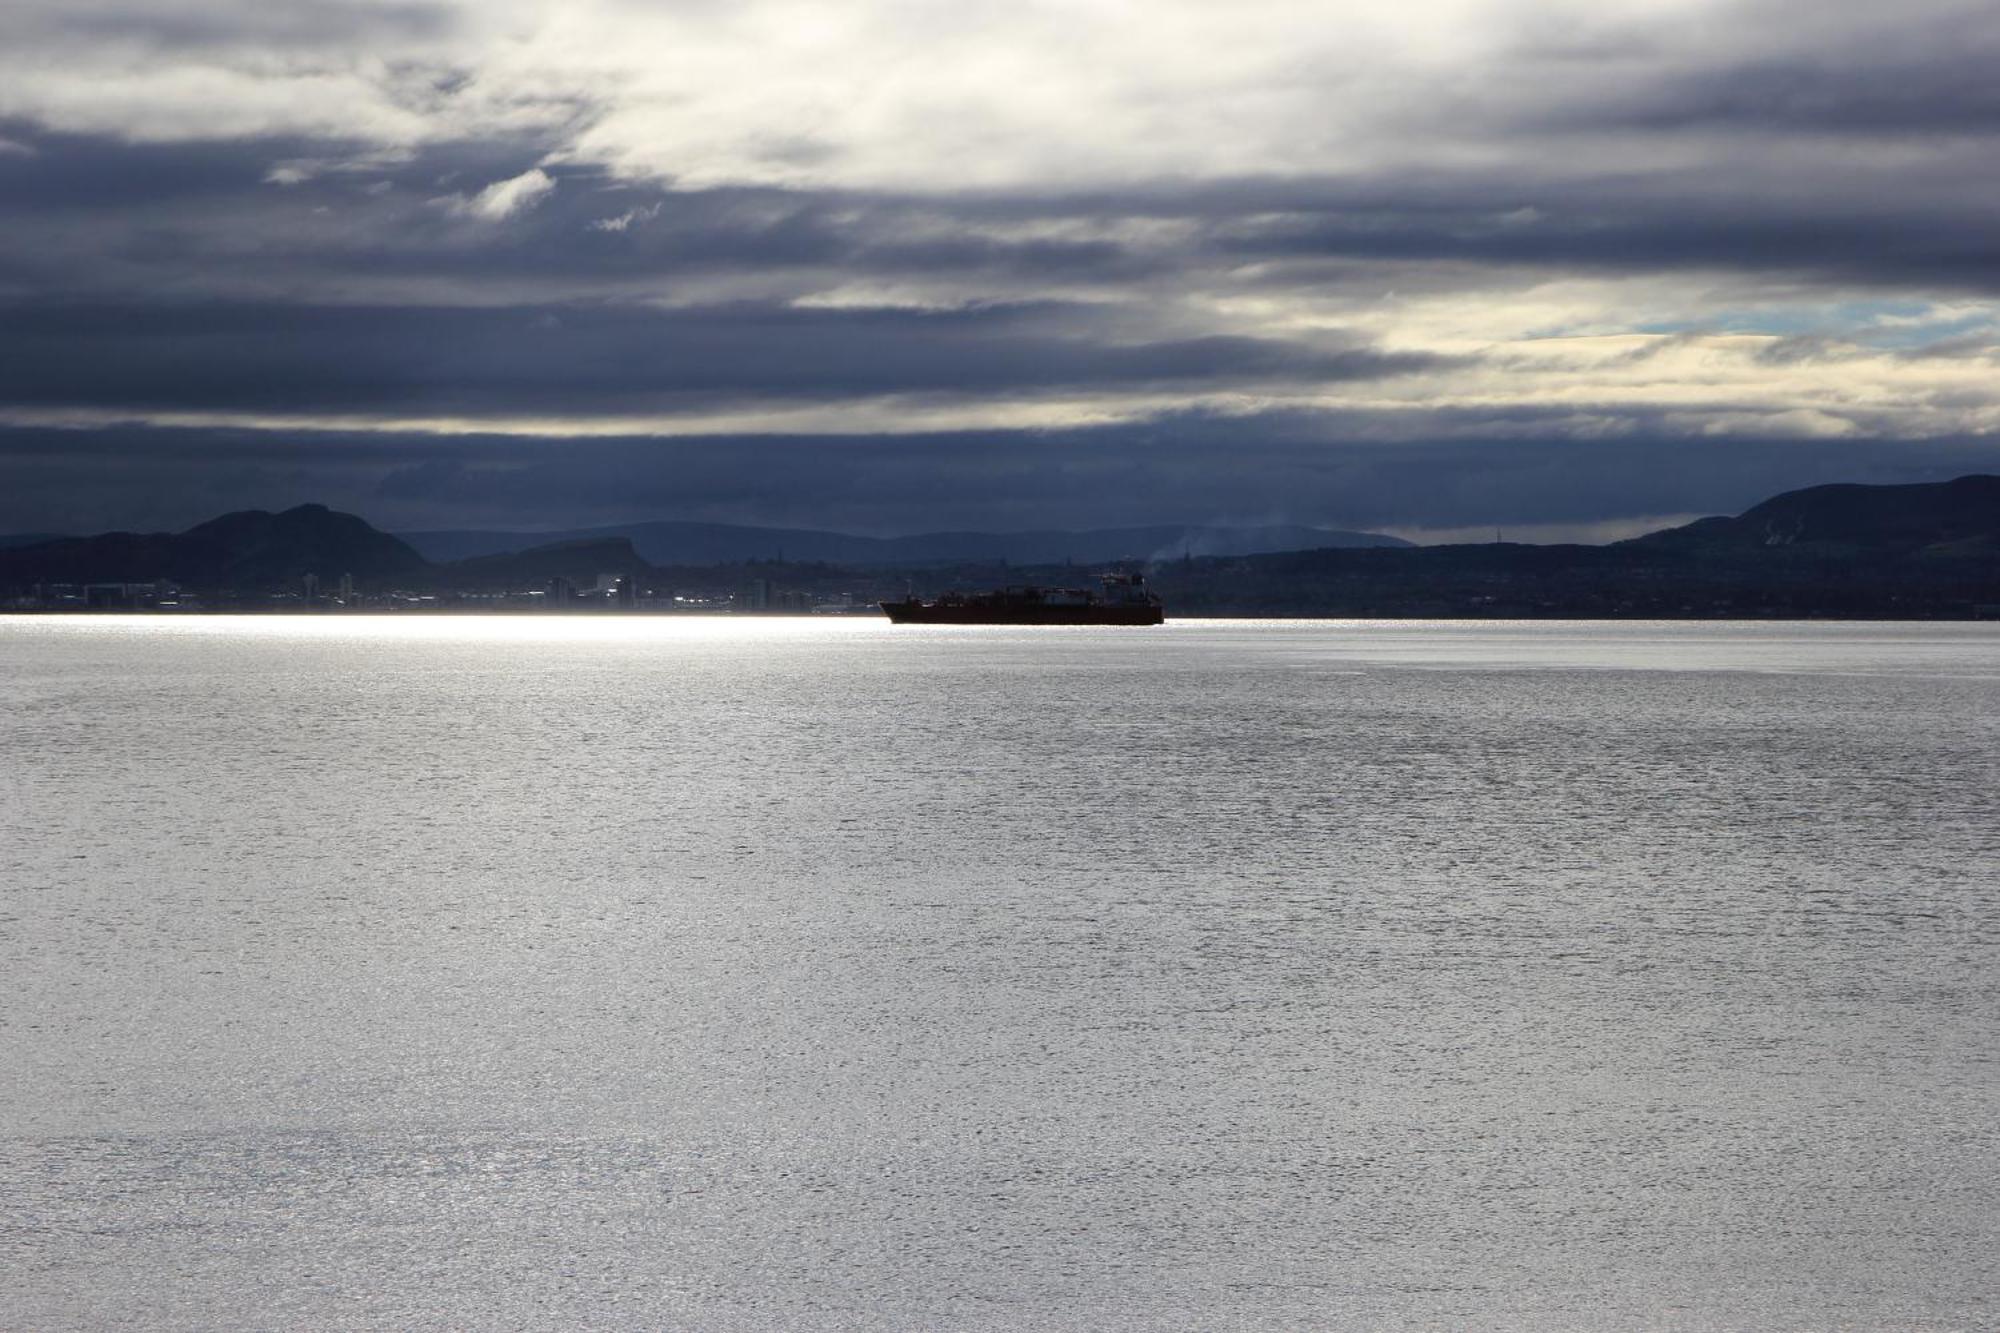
<point x="725" y="974"/>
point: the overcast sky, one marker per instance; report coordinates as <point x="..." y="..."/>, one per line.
<point x="1429" y="266"/>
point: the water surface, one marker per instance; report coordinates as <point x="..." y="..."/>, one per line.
<point x="513" y="973"/>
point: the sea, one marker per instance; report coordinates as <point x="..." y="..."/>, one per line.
<point x="428" y="972"/>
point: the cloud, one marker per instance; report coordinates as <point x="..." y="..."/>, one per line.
<point x="1420" y="221"/>
<point x="503" y="199"/>
<point x="582" y="362"/>
<point x="886" y="95"/>
<point x="624" y="221"/>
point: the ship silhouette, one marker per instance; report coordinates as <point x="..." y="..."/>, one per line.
<point x="1122" y="599"/>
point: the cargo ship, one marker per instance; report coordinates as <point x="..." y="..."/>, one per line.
<point x="1123" y="600"/>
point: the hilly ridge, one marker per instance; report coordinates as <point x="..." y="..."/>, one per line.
<point x="249" y="549"/>
<point x="1921" y="550"/>
<point x="1924" y="550"/>
<point x="1958" y="517"/>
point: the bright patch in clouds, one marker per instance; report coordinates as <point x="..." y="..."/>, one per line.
<point x="910" y="94"/>
<point x="503" y="199"/>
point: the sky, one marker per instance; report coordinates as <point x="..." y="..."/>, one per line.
<point x="1433" y="267"/>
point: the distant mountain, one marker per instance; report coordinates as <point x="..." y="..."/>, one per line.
<point x="658" y="543"/>
<point x="1899" y="552"/>
<point x="252" y="549"/>
<point x="1947" y="518"/>
<point x="580" y="562"/>
<point x="719" y="543"/>
<point x="1894" y="552"/>
<point x="12" y="539"/>
<point x="1159" y="542"/>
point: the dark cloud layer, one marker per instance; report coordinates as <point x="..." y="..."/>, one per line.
<point x="1955" y="94"/>
<point x="1953" y="253"/>
<point x="199" y="213"/>
<point x="589" y="360"/>
<point x="254" y="26"/>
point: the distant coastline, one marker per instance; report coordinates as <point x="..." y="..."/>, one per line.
<point x="1981" y="615"/>
<point x="1843" y="552"/>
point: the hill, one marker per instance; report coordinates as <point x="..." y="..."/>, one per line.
<point x="252" y="549"/>
<point x="1918" y="551"/>
<point x="1948" y="518"/>
<point x="581" y="562"/>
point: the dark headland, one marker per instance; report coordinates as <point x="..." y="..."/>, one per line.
<point x="1926" y="551"/>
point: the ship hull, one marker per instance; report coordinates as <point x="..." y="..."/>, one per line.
<point x="924" y="613"/>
